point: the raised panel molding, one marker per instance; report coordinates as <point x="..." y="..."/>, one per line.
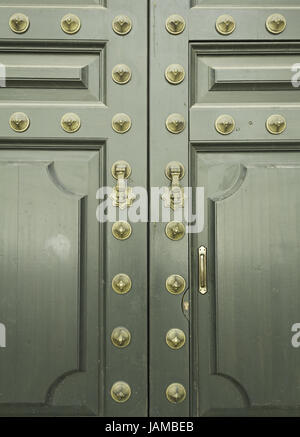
<point x="51" y="358"/>
<point x="242" y="327"/>
<point x="225" y="73"/>
<point x="265" y="3"/>
<point x="60" y="73"/>
<point x="56" y="2"/>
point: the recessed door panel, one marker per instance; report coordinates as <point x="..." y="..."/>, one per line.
<point x="243" y="325"/>
<point x="46" y="287"/>
<point x="46" y="76"/>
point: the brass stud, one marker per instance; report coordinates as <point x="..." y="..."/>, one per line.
<point x="70" y="122"/>
<point x="120" y="391"/>
<point x="276" y="124"/>
<point x="276" y="23"/>
<point x="121" y="74"/>
<point x="19" y="23"/>
<point x="225" y="25"/>
<point x="70" y="24"/>
<point x="176" y="393"/>
<point x="175" y="231"/>
<point x="120" y="337"/>
<point x="175" y="123"/>
<point x="225" y="124"/>
<point x="175" y="284"/>
<point x="121" y="230"/>
<point x="175" y="24"/>
<point x="121" y="283"/>
<point x="121" y="123"/>
<point x="122" y="25"/>
<point x="19" y="122"/>
<point x="175" y="338"/>
<point x="175" y="74"/>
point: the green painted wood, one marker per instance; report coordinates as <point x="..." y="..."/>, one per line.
<point x="47" y="289"/>
<point x="244" y="362"/>
<point x="51" y="73"/>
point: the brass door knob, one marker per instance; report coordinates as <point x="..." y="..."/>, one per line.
<point x="19" y="23"/>
<point x="19" y="122"/>
<point x="225" y="24"/>
<point x="70" y="24"/>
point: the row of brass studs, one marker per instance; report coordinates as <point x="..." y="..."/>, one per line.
<point x="175" y="284"/>
<point x="225" y="124"/>
<point x="275" y="124"/>
<point x="70" y="24"/>
<point x="20" y="122"/>
<point x="70" y="122"/>
<point x="225" y="24"/>
<point x="121" y="392"/>
<point x="121" y="123"/>
<point x="275" y="23"/>
<point x="121" y="337"/>
<point x="121" y="283"/>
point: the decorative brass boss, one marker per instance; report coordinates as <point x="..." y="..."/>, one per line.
<point x="19" y="122"/>
<point x="176" y="393"/>
<point x="19" y="23"/>
<point x="70" y="24"/>
<point x="175" y="24"/>
<point x="120" y="391"/>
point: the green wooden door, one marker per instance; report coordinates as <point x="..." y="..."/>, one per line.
<point x="224" y="76"/>
<point x="106" y="318"/>
<point x="58" y="308"/>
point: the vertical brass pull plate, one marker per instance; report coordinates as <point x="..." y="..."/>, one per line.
<point x="202" y="270"/>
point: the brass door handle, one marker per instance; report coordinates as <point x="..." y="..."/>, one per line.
<point x="202" y="259"/>
<point x="122" y="196"/>
<point x="174" y="196"/>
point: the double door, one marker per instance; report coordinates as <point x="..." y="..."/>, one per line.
<point x="137" y="311"/>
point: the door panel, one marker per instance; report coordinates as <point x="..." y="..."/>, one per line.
<point x="50" y="357"/>
<point x="51" y="73"/>
<point x="243" y="324"/>
<point x="46" y="76"/>
<point x="242" y="359"/>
